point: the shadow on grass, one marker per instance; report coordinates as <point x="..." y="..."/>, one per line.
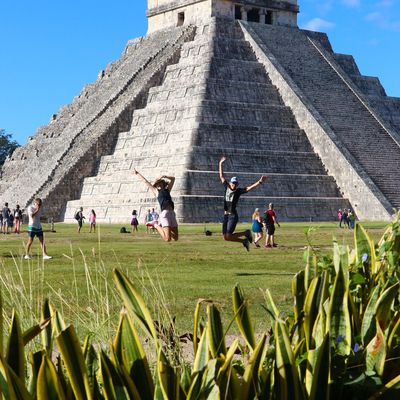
<point x="264" y="273"/>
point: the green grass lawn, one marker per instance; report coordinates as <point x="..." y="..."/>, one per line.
<point x="171" y="276"/>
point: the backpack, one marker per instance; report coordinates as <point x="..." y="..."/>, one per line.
<point x="77" y="216"/>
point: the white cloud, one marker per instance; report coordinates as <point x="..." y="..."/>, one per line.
<point x="317" y="24"/>
<point x="383" y="21"/>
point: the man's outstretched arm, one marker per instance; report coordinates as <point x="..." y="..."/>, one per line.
<point x="256" y="184"/>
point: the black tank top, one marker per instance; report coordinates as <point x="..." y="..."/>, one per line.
<point x="165" y="200"/>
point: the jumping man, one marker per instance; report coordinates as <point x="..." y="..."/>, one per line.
<point x="231" y="198"/>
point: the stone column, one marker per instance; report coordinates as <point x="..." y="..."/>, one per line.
<point x="244" y="11"/>
<point x="263" y="12"/>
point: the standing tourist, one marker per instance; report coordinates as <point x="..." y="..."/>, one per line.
<point x="35" y="229"/>
<point x="5" y="213"/>
<point x="231" y="198"/>
<point x="257" y="227"/>
<point x="17" y="219"/>
<point x="147" y="221"/>
<point x="79" y="217"/>
<point x="270" y="221"/>
<point x="92" y="221"/>
<point x="167" y="225"/>
<point x="134" y="221"/>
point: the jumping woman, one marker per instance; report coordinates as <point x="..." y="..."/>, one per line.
<point x="167" y="225"/>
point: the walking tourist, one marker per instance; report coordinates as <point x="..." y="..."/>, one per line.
<point x="80" y="217"/>
<point x="17" y="219"/>
<point x="5" y="213"/>
<point x="257" y="227"/>
<point x="92" y="221"/>
<point x="35" y="229"/>
<point x="231" y="198"/>
<point x="167" y="225"/>
<point x="270" y="221"/>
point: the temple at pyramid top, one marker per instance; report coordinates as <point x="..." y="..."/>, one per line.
<point x="168" y="13"/>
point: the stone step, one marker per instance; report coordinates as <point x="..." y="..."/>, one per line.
<point x="218" y="112"/>
<point x="216" y="89"/>
<point x="203" y="209"/>
<point x="256" y="160"/>
<point x="207" y="182"/>
<point x="257" y="137"/>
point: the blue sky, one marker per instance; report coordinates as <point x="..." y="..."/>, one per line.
<point x="50" y="49"/>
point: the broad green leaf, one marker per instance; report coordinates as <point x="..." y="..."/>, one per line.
<point x="355" y="316"/>
<point x="48" y="387"/>
<point x="58" y="323"/>
<point x="202" y="355"/>
<point x="368" y="327"/>
<point x="319" y="329"/>
<point x="288" y="380"/>
<point x="394" y="333"/>
<point x="18" y="385"/>
<point x="35" y="359"/>
<point x="299" y="293"/>
<point x="390" y="390"/>
<point x="365" y="249"/>
<point x="35" y="330"/>
<point x="196" y="326"/>
<point x="135" y="304"/>
<point x="72" y="355"/>
<point x="6" y="387"/>
<point x="215" y="334"/>
<point x="310" y="311"/>
<point x="338" y="317"/>
<point x="1" y="324"/>
<point x="112" y="383"/>
<point x="384" y="304"/>
<point x="168" y="378"/>
<point x="130" y="353"/>
<point x="15" y="347"/>
<point x="250" y="385"/>
<point x="195" y="387"/>
<point x="271" y="306"/>
<point x="376" y="352"/>
<point x="242" y="316"/>
<point x="320" y="371"/>
<point x="47" y="332"/>
<point x="224" y="378"/>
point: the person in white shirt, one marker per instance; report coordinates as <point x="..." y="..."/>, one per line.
<point x="35" y="229"/>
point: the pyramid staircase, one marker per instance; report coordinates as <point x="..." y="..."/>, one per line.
<point x="217" y="100"/>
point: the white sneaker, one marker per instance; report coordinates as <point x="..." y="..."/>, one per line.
<point x="46" y="257"/>
<point x="27" y="257"/>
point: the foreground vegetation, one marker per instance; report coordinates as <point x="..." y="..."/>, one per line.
<point x="342" y="341"/>
<point x="171" y="276"/>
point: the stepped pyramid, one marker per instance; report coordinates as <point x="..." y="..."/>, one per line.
<point x="213" y="78"/>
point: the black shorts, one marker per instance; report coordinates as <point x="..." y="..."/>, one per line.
<point x="229" y="224"/>
<point x="37" y="233"/>
<point x="270" y="229"/>
<point x="80" y="223"/>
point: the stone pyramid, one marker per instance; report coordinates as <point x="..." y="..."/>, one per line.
<point x="219" y="78"/>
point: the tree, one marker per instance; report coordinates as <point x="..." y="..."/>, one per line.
<point x="7" y="145"/>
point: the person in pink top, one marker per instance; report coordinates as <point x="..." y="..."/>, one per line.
<point x="92" y="221"/>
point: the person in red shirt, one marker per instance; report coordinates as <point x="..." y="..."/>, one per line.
<point x="270" y="221"/>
